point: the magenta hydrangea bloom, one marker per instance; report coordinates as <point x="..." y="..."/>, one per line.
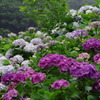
<point x="92" y="44"/>
<point x="38" y="77"/>
<point x="96" y="86"/>
<point x="45" y="62"/>
<point x="19" y="77"/>
<point x="29" y="73"/>
<point x="84" y="70"/>
<point x="60" y="83"/>
<point x="7" y="78"/>
<point x="10" y="95"/>
<point x="97" y="58"/>
<point x="24" y="68"/>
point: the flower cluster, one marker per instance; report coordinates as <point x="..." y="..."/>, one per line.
<point x="16" y="59"/>
<point x="1" y="37"/>
<point x="11" y="34"/>
<point x="31" y="28"/>
<point x="38" y="77"/>
<point x="84" y="70"/>
<point x="30" y="47"/>
<point x="83" y="56"/>
<point x="97" y="58"/>
<point x="7" y="69"/>
<point x="95" y="24"/>
<point x="2" y="87"/>
<point x="88" y="9"/>
<point x="36" y="41"/>
<point x="62" y="62"/>
<point x="59" y="84"/>
<point x="92" y="44"/>
<point x="77" y="33"/>
<point x="10" y="95"/>
<point x="96" y="86"/>
<point x="19" y="42"/>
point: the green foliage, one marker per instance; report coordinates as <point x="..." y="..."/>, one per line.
<point x="47" y="13"/>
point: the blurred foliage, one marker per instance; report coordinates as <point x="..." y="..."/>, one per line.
<point x="11" y="19"/>
<point x="46" y="13"/>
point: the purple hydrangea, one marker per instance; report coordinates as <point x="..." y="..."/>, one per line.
<point x="24" y="68"/>
<point x="96" y="86"/>
<point x="29" y="73"/>
<point x="65" y="64"/>
<point x="10" y="95"/>
<point x="62" y="62"/>
<point x="19" y="77"/>
<point x="92" y="44"/>
<point x="38" y="77"/>
<point x="59" y="84"/>
<point x="77" y="33"/>
<point x="84" y="70"/>
<point x="7" y="78"/>
<point x="97" y="58"/>
<point x="45" y="62"/>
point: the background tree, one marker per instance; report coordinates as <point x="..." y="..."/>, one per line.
<point x="11" y="19"/>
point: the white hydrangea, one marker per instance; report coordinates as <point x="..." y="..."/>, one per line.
<point x="16" y="59"/>
<point x="69" y="35"/>
<point x="11" y="34"/>
<point x="26" y="62"/>
<point x="89" y="11"/>
<point x="1" y="37"/>
<point x="39" y="33"/>
<point x="72" y="12"/>
<point x="21" y="33"/>
<point x="36" y="41"/>
<point x="19" y="42"/>
<point x="30" y="47"/>
<point x="9" y="53"/>
<point x="2" y="58"/>
<point x="2" y="87"/>
<point x="76" y="24"/>
<point x="7" y="69"/>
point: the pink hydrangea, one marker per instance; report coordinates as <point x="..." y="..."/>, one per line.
<point x="97" y="58"/>
<point x="10" y="95"/>
<point x="38" y="77"/>
<point x="83" y="56"/>
<point x="60" y="83"/>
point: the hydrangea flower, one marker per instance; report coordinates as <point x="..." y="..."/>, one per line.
<point x="36" y="41"/>
<point x="60" y="83"/>
<point x="19" y="42"/>
<point x="38" y="77"/>
<point x="19" y="77"/>
<point x="7" y="69"/>
<point x="9" y="53"/>
<point x="17" y="59"/>
<point x="95" y="24"/>
<point x="77" y="33"/>
<point x="83" y="56"/>
<point x="24" y="68"/>
<point x="45" y="62"/>
<point x="84" y="70"/>
<point x="92" y="44"/>
<point x="7" y="78"/>
<point x="96" y="86"/>
<point x="30" y="47"/>
<point x="2" y="87"/>
<point x="1" y="37"/>
<point x="97" y="58"/>
<point x="31" y="28"/>
<point x="25" y="62"/>
<point x="10" y="95"/>
<point x="11" y="34"/>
